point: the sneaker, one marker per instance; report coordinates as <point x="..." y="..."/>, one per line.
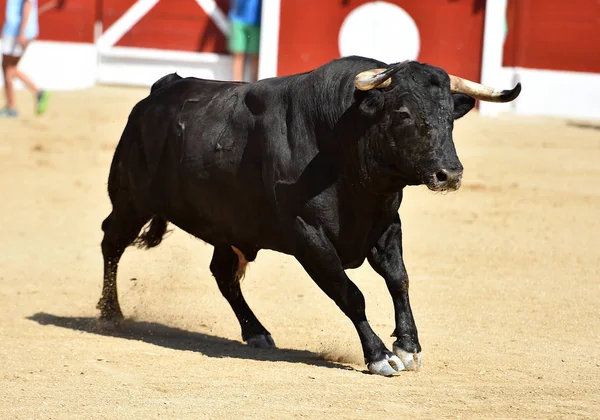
<point x="41" y="102"/>
<point x="7" y="112"/>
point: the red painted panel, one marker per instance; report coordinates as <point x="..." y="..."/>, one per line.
<point x="553" y="35"/>
<point x="451" y="33"/>
<point x="171" y="25"/>
<point x="64" y="20"/>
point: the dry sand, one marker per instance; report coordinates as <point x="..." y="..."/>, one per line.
<point x="505" y="287"/>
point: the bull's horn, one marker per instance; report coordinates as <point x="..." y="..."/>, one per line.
<point x="371" y="79"/>
<point x="481" y="92"/>
<point x="377" y="78"/>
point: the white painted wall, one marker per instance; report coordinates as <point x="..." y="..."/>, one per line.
<point x="558" y="93"/>
<point x="142" y="67"/>
<point x="492" y="72"/>
<point x="544" y="92"/>
<point x="59" y="65"/>
<point x="269" y="39"/>
<point x="550" y="93"/>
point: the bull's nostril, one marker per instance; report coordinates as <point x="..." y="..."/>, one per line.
<point x="442" y="176"/>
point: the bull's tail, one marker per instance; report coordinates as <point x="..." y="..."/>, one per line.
<point x="153" y="234"/>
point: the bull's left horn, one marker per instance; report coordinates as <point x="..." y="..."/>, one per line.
<point x="371" y="79"/>
<point x="377" y="78"/>
<point x="481" y="92"/>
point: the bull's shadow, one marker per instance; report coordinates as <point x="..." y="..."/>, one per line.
<point x="178" y="339"/>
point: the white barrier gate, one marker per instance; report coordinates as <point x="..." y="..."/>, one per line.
<point x="143" y="66"/>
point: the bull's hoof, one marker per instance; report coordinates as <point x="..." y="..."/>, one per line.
<point x="411" y="361"/>
<point x="387" y="366"/>
<point x="261" y="341"/>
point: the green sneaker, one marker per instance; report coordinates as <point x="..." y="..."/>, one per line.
<point x="7" y="112"/>
<point x="42" y="102"/>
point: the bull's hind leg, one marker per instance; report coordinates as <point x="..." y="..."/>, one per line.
<point x="120" y="228"/>
<point x="228" y="268"/>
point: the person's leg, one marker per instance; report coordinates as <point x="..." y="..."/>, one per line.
<point x="26" y="81"/>
<point x="41" y="96"/>
<point x="11" y="57"/>
<point x="253" y="46"/>
<point x="236" y="43"/>
<point x="238" y="66"/>
<point x="11" y="71"/>
<point x="11" y="54"/>
<point x="9" y="68"/>
<point x="254" y="64"/>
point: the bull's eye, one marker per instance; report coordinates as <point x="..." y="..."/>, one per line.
<point x="403" y="113"/>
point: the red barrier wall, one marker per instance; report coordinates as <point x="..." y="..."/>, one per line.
<point x="66" y="20"/>
<point x="553" y="35"/>
<point x="451" y="33"/>
<point x="543" y="34"/>
<point x="172" y="25"/>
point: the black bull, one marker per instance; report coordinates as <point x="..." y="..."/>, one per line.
<point x="311" y="165"/>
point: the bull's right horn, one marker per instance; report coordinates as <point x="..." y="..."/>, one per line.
<point x="481" y="92"/>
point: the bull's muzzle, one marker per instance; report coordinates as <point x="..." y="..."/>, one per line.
<point x="445" y="180"/>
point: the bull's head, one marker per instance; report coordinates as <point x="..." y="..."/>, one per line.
<point x="415" y="106"/>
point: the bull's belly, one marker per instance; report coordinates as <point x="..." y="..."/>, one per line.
<point x="222" y="216"/>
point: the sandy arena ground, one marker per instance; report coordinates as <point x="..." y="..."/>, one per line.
<point x="505" y="287"/>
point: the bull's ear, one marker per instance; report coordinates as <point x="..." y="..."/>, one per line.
<point x="372" y="103"/>
<point x="462" y="104"/>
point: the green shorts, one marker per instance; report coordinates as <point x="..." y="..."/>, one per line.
<point x="243" y="38"/>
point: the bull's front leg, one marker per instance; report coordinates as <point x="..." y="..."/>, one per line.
<point x="386" y="259"/>
<point x="320" y="260"/>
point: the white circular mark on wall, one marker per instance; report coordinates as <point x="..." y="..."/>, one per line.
<point x="380" y="30"/>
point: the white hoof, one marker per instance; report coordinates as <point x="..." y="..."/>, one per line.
<point x="386" y="367"/>
<point x="411" y="361"/>
<point x="261" y="342"/>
